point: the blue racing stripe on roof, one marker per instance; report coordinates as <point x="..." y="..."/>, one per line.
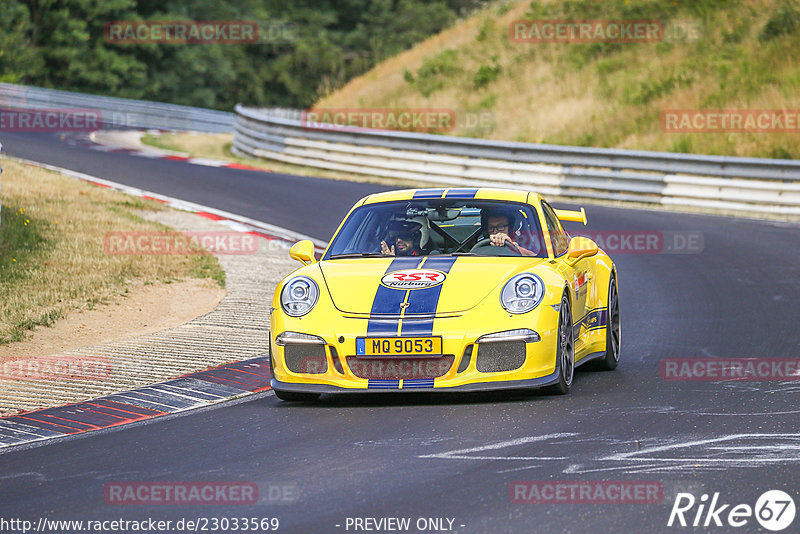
<point x="429" y="193"/>
<point x="462" y="193"/>
<point x="387" y="300"/>
<point x="425" y="301"/>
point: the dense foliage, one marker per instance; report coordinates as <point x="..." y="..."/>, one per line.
<point x="307" y="47"/>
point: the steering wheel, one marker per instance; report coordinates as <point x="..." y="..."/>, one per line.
<point x="508" y="249"/>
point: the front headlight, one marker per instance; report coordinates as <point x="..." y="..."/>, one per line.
<point x="522" y="293"/>
<point x="299" y="295"/>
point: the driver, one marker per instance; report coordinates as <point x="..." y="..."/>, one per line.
<point x="498" y="227"/>
<point x="406" y="237"/>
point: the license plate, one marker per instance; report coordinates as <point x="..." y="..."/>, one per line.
<point x="399" y="346"/>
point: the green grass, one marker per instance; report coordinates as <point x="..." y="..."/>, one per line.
<point x="52" y="254"/>
<point x="23" y="247"/>
<point x="715" y="54"/>
<point x="20" y="239"/>
<point x="157" y="141"/>
<point x="207" y="266"/>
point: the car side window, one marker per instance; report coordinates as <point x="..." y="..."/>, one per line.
<point x="558" y="236"/>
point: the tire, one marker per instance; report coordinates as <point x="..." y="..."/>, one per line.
<point x="610" y="361"/>
<point x="565" y="350"/>
<point x="293" y="396"/>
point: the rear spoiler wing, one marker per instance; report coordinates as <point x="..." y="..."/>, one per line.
<point x="569" y="215"/>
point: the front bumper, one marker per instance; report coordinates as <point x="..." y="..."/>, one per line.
<point x="336" y="374"/>
<point x="476" y="386"/>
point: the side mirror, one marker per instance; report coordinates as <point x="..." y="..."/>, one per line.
<point x="581" y="247"/>
<point x="303" y="251"/>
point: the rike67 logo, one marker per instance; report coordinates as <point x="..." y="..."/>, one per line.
<point x="774" y="510"/>
<point x="413" y="279"/>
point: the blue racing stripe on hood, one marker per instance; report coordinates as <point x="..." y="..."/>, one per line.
<point x="387" y="300"/>
<point x="425" y="301"/>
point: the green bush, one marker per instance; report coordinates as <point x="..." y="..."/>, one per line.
<point x="683" y="145"/>
<point x="433" y="73"/>
<point x="487" y="74"/>
<point x="785" y="20"/>
<point x="780" y="152"/>
<point x="488" y="102"/>
<point x="487" y="25"/>
<point x="650" y="90"/>
<point x="578" y="55"/>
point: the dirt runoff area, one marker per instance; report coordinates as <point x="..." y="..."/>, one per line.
<point x="154" y="332"/>
<point x="145" y="309"/>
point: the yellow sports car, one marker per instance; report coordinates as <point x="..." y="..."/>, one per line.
<point x="445" y="289"/>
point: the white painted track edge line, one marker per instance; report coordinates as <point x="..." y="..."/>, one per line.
<point x="285" y="233"/>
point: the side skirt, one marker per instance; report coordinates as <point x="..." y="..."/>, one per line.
<point x="588" y="358"/>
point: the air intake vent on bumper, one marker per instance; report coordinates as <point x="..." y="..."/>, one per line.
<point x="500" y="356"/>
<point x="307" y="359"/>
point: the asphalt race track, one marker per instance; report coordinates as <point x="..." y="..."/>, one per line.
<point x="314" y="204"/>
<point x="455" y="456"/>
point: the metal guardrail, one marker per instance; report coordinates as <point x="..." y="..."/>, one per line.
<point x="118" y="112"/>
<point x="719" y="182"/>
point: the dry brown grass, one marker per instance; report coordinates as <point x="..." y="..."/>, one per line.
<point x="52" y="256"/>
<point x="561" y="94"/>
<point x="574" y="94"/>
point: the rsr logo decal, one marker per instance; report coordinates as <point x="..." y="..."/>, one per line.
<point x="413" y="279"/>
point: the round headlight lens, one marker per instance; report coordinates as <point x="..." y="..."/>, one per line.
<point x="523" y="287"/>
<point x="522" y="293"/>
<point x="299" y="295"/>
<point x="300" y="290"/>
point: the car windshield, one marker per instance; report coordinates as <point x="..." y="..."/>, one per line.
<point x="439" y="226"/>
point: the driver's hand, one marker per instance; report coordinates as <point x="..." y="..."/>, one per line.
<point x="499" y="239"/>
<point x="386" y="250"/>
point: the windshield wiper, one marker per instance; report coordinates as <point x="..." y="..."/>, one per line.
<point x="358" y="255"/>
<point x="464" y="254"/>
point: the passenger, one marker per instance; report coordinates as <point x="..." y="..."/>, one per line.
<point x="406" y="237"/>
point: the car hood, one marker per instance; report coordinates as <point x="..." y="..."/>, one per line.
<point x="355" y="284"/>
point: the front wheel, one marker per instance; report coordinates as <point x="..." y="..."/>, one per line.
<point x="293" y="396"/>
<point x="565" y="351"/>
